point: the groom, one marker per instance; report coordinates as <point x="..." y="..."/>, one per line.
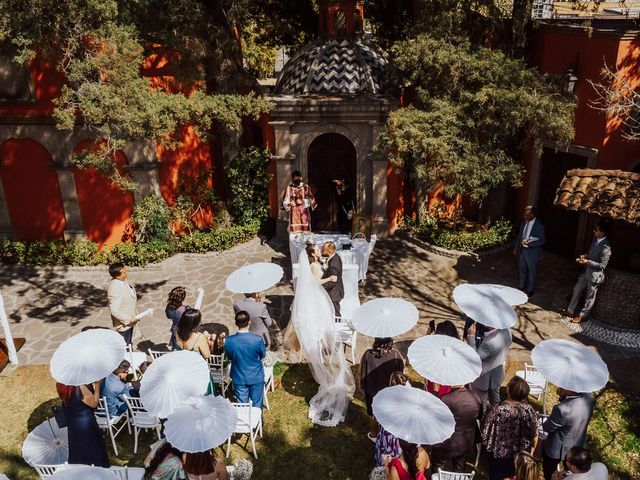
<point x="333" y="267"/>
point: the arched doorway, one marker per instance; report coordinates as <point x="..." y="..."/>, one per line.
<point x="330" y="156"/>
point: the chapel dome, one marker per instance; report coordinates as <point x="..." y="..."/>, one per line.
<point x="335" y="67"/>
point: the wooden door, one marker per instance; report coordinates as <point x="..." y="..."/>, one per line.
<point x="330" y="156"/>
<point x="561" y="226"/>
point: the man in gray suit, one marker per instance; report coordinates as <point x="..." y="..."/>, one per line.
<point x="493" y="353"/>
<point x="594" y="262"/>
<point x="528" y="248"/>
<point x="566" y="427"/>
<point x="260" y="318"/>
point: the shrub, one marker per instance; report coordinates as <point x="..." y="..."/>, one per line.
<point x="249" y="185"/>
<point x="433" y="232"/>
<point x="85" y="252"/>
<point x="152" y="219"/>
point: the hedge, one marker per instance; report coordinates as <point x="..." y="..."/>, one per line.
<point x="86" y="252"/>
<point x="432" y="232"/>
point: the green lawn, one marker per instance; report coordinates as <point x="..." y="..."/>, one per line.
<point x="292" y="447"/>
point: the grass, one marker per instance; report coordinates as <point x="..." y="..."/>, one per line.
<point x="292" y="446"/>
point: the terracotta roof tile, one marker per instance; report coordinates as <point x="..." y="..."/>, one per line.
<point x="608" y="193"/>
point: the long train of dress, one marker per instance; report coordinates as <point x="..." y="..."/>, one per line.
<point x="312" y="318"/>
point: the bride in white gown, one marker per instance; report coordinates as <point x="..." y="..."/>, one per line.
<point x="312" y="318"/>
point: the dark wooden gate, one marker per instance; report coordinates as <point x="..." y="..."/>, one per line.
<point x="330" y="156"/>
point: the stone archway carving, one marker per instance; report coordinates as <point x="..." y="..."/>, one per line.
<point x="301" y="160"/>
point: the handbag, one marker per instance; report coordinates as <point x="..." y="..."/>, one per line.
<point x="60" y="415"/>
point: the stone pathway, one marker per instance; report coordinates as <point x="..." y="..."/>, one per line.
<point x="47" y="305"/>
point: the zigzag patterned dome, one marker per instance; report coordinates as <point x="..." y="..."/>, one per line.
<point x="334" y="67"/>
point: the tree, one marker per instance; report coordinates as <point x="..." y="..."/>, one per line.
<point x="472" y="110"/>
<point x="101" y="46"/>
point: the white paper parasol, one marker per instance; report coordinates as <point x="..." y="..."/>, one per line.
<point x="511" y="295"/>
<point x="485" y="306"/>
<point x="8" y="338"/>
<point x="47" y="444"/>
<point x="570" y="365"/>
<point x="385" y="317"/>
<point x="87" y="357"/>
<point x="201" y="423"/>
<point x="445" y="360"/>
<point x="171" y="379"/>
<point x="254" y="278"/>
<point x="413" y="415"/>
<point x="83" y="472"/>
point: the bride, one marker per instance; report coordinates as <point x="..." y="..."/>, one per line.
<point x="312" y="318"/>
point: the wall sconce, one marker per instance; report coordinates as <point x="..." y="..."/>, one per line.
<point x="569" y="80"/>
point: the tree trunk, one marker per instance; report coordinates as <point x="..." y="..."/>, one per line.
<point x="521" y="17"/>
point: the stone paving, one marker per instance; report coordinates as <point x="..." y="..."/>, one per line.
<point x="47" y="305"/>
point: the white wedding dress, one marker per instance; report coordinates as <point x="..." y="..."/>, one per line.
<point x="312" y="318"/>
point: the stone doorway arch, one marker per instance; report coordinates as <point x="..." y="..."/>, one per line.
<point x="330" y="157"/>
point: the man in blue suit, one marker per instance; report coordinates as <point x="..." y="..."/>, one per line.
<point x="246" y="351"/>
<point x="528" y="247"/>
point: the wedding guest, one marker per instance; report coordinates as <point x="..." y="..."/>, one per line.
<point x="204" y="466"/>
<point x="508" y="428"/>
<point x="376" y="367"/>
<point x="566" y="427"/>
<point x="412" y="464"/>
<point x="528" y="248"/>
<point x="579" y="466"/>
<point x="164" y="462"/>
<point x="334" y="268"/>
<point x="122" y="302"/>
<point x="190" y="338"/>
<point x="466" y="407"/>
<point x="527" y="467"/>
<point x="86" y="444"/>
<point x="387" y="445"/>
<point x="449" y="329"/>
<point x="246" y="351"/>
<point x="174" y="310"/>
<point x="114" y="388"/>
<point x="260" y="318"/>
<point x="493" y="353"/>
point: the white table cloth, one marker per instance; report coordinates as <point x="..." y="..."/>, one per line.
<point x="358" y="254"/>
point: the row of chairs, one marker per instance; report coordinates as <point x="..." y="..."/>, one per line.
<point x="119" y="473"/>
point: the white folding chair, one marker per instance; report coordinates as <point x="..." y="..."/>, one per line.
<point x="109" y="423"/>
<point x="444" y="475"/>
<point x="155" y="354"/>
<point x="219" y="373"/>
<point x="46" y="471"/>
<point x="140" y="419"/>
<point x="537" y="384"/>
<point x="268" y="384"/>
<point x="345" y="334"/>
<point x="249" y="423"/>
<point x="128" y="473"/>
<point x="478" y="445"/>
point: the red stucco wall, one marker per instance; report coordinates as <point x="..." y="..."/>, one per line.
<point x="31" y="190"/>
<point x="105" y="208"/>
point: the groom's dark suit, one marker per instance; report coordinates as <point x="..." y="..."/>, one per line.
<point x="334" y="289"/>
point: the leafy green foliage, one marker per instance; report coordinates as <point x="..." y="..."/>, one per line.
<point x="100" y="47"/>
<point x="82" y="253"/>
<point x="152" y="219"/>
<point x="434" y="232"/>
<point x="472" y="111"/>
<point x="249" y="184"/>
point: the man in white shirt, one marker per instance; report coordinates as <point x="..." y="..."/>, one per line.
<point x="528" y="248"/>
<point x="122" y="302"/>
<point x="578" y="466"/>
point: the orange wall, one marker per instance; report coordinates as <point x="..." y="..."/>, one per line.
<point x="31" y="190"/>
<point x="181" y="169"/>
<point x="105" y="208"/>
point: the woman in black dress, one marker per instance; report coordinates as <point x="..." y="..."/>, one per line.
<point x="86" y="444"/>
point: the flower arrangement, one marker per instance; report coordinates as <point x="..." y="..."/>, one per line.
<point x="243" y="470"/>
<point x="378" y="473"/>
